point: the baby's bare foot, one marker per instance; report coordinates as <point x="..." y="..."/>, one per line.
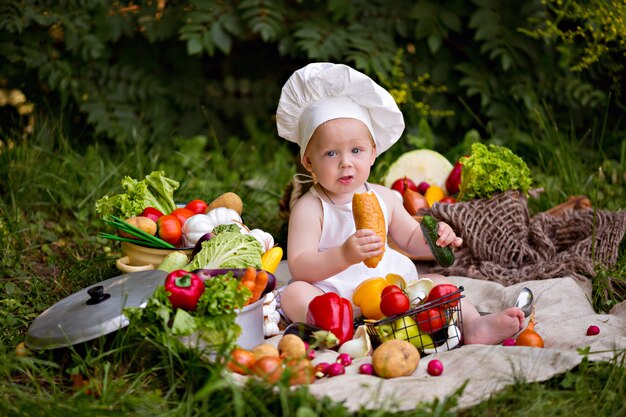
<point x="493" y="328"/>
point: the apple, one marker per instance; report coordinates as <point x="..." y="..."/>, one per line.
<point x="403" y="184"/>
<point x="405" y="328"/>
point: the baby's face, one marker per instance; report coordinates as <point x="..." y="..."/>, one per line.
<point x="340" y="153"/>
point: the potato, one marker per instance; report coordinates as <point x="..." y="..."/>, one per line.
<point x="228" y="200"/>
<point x="265" y="349"/>
<point x="291" y="346"/>
<point x="143" y="223"/>
<point x="395" y="358"/>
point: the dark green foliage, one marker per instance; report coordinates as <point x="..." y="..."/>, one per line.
<point x="159" y="69"/>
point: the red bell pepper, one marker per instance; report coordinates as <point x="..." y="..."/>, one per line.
<point x="454" y="178"/>
<point x="333" y="313"/>
<point x="185" y="289"/>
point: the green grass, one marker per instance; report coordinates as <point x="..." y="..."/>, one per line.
<point x="50" y="248"/>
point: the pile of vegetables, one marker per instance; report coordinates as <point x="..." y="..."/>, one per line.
<point x="146" y="214"/>
<point x="202" y="304"/>
<point x="424" y="177"/>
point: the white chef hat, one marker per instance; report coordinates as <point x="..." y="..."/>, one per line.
<point x="324" y="91"/>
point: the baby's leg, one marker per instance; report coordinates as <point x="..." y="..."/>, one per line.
<point x="295" y="299"/>
<point x="490" y="329"/>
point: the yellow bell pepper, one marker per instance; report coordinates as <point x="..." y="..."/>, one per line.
<point x="366" y="295"/>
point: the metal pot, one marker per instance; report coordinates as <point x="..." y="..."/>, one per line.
<point x="98" y="311"/>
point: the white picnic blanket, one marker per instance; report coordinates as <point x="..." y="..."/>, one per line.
<point x="563" y="313"/>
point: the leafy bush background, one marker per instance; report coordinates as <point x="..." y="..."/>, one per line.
<point x="158" y="69"/>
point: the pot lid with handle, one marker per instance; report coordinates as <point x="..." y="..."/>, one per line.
<point x="94" y="311"/>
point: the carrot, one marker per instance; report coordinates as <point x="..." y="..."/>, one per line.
<point x="259" y="285"/>
<point x="248" y="279"/>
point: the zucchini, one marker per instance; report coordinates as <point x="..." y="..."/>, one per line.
<point x="443" y="255"/>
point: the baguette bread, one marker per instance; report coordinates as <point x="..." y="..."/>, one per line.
<point x="369" y="215"/>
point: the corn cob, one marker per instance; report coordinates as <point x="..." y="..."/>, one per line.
<point x="368" y="215"/>
<point x="271" y="258"/>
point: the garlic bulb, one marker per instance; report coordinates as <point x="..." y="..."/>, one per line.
<point x="266" y="239"/>
<point x="271" y="317"/>
<point x="360" y="346"/>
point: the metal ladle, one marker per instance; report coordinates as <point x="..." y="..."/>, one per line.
<point x="525" y="301"/>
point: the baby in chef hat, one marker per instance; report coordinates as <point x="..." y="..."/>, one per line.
<point x="342" y="121"/>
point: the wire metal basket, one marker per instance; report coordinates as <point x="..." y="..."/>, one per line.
<point x="432" y="327"/>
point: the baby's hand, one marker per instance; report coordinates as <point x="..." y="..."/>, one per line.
<point x="447" y="236"/>
<point x="363" y="244"/>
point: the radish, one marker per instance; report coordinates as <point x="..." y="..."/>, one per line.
<point x="366" y="369"/>
<point x="508" y="342"/>
<point x="344" y="359"/>
<point x="593" y="330"/>
<point x="321" y="369"/>
<point x="335" y="369"/>
<point x="435" y="367"/>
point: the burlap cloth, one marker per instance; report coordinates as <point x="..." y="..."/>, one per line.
<point x="502" y="243"/>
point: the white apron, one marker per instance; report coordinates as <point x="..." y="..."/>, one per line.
<point x="337" y="227"/>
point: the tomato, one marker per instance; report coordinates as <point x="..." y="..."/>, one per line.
<point x="170" y="229"/>
<point x="197" y="206"/>
<point x="403" y="184"/>
<point x="447" y="294"/>
<point x="394" y="302"/>
<point x="151" y="213"/>
<point x="182" y="214"/>
<point x="388" y="289"/>
<point x="431" y="320"/>
<point x="448" y="200"/>
<point x="269" y="368"/>
<point x="241" y="361"/>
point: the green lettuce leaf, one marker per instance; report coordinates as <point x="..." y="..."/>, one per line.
<point x="156" y="190"/>
<point x="492" y="170"/>
<point x="228" y="249"/>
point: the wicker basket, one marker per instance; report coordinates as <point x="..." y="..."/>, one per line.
<point x="432" y="327"/>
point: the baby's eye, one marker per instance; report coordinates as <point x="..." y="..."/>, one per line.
<point x="356" y="150"/>
<point x="331" y="153"/>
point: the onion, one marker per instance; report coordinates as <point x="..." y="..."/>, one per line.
<point x="198" y="245"/>
<point x="528" y="336"/>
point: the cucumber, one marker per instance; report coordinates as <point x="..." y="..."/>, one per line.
<point x="443" y="255"/>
